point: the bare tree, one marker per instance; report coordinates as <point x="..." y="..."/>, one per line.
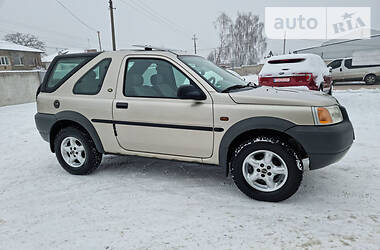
<point x="223" y="25"/>
<point x="240" y="42"/>
<point x="27" y="40"/>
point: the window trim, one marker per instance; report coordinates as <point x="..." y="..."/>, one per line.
<point x="337" y="60"/>
<point x="21" y="60"/>
<point x="104" y="77"/>
<point x="46" y="89"/>
<point x="155" y="97"/>
<point x="6" y="60"/>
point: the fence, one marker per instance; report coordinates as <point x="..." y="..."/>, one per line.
<point x="18" y="87"/>
<point x="248" y="69"/>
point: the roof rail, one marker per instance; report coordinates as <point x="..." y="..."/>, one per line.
<point x="150" y="48"/>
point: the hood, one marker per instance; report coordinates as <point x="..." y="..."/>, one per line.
<point x="282" y="96"/>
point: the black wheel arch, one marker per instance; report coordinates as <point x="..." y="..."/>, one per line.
<point x="252" y="127"/>
<point x="74" y="119"/>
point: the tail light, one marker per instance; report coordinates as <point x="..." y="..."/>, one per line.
<point x="303" y="77"/>
<point x="267" y="79"/>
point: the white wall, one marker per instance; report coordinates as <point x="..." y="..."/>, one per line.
<point x="18" y="87"/>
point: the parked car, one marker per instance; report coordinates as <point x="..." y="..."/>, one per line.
<point x="235" y="74"/>
<point x="297" y="70"/>
<point x="344" y="70"/>
<point x="159" y="104"/>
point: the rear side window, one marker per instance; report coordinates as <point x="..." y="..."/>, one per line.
<point x="91" y="83"/>
<point x="281" y="61"/>
<point x="62" y="68"/>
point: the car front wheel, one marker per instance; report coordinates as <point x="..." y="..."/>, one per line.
<point x="266" y="169"/>
<point x="76" y="152"/>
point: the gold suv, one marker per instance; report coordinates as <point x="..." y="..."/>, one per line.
<point x="159" y="104"/>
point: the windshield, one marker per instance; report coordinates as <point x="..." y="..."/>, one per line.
<point x="218" y="78"/>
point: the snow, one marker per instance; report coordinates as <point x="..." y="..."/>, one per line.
<point x="312" y="64"/>
<point x="136" y="203"/>
<point x="4" y="45"/>
<point x="22" y="71"/>
<point x="251" y="78"/>
<point x="50" y="58"/>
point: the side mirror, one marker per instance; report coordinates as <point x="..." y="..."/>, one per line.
<point x="190" y="92"/>
<point x="330" y="69"/>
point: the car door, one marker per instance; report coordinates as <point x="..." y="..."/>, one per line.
<point x="336" y="70"/>
<point x="150" y="118"/>
<point x="351" y="72"/>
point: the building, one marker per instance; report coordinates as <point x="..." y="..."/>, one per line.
<point x="343" y="48"/>
<point x="18" y="57"/>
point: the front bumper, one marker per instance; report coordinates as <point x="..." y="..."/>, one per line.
<point x="325" y="145"/>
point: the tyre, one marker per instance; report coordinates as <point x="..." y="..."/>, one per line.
<point x="321" y="88"/>
<point x="330" y="90"/>
<point x="76" y="152"/>
<point x="370" y="79"/>
<point x="266" y="169"/>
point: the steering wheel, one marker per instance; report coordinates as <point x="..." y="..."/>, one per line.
<point x="212" y="80"/>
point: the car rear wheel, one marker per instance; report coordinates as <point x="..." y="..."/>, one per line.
<point x="370" y="79"/>
<point x="76" y="152"/>
<point x="266" y="169"/>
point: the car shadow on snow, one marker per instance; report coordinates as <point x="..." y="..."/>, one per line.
<point x="207" y="176"/>
<point x="140" y="166"/>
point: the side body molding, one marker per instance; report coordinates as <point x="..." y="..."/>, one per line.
<point x="246" y="125"/>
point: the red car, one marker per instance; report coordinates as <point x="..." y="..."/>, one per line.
<point x="297" y="70"/>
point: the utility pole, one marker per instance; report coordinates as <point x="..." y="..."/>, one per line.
<point x="195" y="43"/>
<point x="112" y="25"/>
<point x="100" y="42"/>
<point x="283" y="51"/>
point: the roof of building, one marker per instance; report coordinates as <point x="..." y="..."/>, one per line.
<point x="5" y="45"/>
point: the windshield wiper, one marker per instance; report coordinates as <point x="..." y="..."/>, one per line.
<point x="238" y="86"/>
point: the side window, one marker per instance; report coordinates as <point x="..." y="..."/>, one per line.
<point x="62" y="68"/>
<point x="152" y="78"/>
<point x="91" y="83"/>
<point x="180" y="78"/>
<point x="348" y="63"/>
<point x="335" y="64"/>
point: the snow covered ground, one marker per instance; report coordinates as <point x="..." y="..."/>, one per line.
<point x="134" y="203"/>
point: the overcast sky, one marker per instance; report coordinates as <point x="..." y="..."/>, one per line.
<point x="166" y="23"/>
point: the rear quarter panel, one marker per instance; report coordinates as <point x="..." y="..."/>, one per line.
<point x="97" y="106"/>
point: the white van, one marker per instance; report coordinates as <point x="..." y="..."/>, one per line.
<point x="344" y="70"/>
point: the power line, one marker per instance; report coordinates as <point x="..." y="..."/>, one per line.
<point x="75" y="16"/>
<point x="44" y="30"/>
<point x="158" y="15"/>
<point x="153" y="16"/>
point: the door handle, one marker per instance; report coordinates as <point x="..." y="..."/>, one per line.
<point x="122" y="105"/>
<point x="340" y="69"/>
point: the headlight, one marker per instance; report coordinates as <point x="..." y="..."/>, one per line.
<point x="327" y="115"/>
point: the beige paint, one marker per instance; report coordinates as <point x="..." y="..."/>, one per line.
<point x="165" y="143"/>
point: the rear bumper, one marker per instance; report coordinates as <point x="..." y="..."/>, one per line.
<point x="309" y="85"/>
<point x="325" y="145"/>
<point x="44" y="122"/>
